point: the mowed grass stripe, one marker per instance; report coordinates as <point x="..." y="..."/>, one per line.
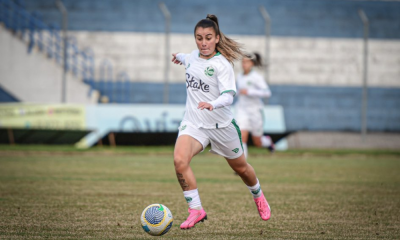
<point x="317" y="196"/>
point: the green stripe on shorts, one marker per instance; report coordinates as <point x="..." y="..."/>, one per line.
<point x="239" y="132"/>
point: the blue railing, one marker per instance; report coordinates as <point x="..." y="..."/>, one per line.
<point x="46" y="38"/>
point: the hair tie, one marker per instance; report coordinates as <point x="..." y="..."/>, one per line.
<point x="213" y="21"/>
<point x="251" y="56"/>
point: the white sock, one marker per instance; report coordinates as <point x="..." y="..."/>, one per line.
<point x="245" y="149"/>
<point x="266" y="141"/>
<point x="193" y="199"/>
<point x="255" y="190"/>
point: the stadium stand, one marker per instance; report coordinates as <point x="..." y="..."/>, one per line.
<point x="6" y="96"/>
<point x="296" y="18"/>
<point x="31" y="63"/>
<point x="316" y="53"/>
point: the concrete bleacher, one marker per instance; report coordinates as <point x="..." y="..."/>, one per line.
<point x="313" y="42"/>
<point x="308" y="61"/>
<point x="299" y="18"/>
<point x="33" y="77"/>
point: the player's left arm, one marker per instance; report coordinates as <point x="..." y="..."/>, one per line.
<point x="225" y="99"/>
<point x="226" y="86"/>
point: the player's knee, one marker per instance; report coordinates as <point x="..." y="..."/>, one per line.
<point x="257" y="142"/>
<point x="181" y="162"/>
<point x="242" y="170"/>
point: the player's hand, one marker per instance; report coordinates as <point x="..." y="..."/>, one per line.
<point x="243" y="92"/>
<point x="174" y="60"/>
<point x="205" y="105"/>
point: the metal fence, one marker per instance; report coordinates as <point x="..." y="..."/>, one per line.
<point x="46" y="38"/>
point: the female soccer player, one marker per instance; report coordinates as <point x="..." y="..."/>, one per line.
<point x="249" y="114"/>
<point x="210" y="86"/>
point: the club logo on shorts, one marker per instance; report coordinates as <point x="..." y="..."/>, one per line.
<point x="209" y="71"/>
<point x="236" y="150"/>
<point x="183" y="127"/>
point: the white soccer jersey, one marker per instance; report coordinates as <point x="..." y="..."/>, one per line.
<point x="257" y="89"/>
<point x="206" y="80"/>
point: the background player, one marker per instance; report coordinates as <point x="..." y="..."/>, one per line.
<point x="249" y="108"/>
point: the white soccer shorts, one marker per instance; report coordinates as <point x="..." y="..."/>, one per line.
<point x="226" y="141"/>
<point x="252" y="122"/>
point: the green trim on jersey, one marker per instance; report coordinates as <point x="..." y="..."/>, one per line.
<point x="238" y="131"/>
<point x="234" y="93"/>
<point x="217" y="54"/>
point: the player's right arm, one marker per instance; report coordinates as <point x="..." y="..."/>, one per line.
<point x="175" y="60"/>
<point x="179" y="58"/>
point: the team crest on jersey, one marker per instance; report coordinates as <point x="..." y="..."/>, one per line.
<point x="209" y="71"/>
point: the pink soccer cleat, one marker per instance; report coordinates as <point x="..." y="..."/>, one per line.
<point x="195" y="216"/>
<point x="263" y="207"/>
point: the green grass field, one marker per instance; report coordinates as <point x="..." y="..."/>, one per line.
<point x="62" y="193"/>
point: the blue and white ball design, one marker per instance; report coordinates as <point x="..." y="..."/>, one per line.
<point x="156" y="219"/>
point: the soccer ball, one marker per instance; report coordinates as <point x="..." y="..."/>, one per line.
<point x="156" y="219"/>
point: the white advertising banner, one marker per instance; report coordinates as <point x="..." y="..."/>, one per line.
<point x="103" y="119"/>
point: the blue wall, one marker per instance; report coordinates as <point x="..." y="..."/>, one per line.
<point x="305" y="107"/>
<point x="300" y="18"/>
<point x="337" y="108"/>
